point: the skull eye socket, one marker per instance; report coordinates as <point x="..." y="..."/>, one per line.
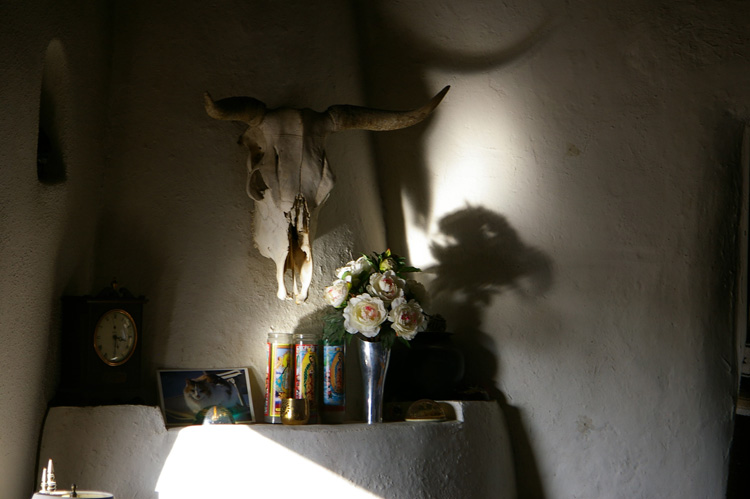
<point x="256" y="186"/>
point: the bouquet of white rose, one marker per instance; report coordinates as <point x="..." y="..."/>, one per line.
<point x="372" y="299"/>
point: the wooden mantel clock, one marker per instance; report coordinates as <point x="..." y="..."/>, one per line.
<point x="101" y="348"/>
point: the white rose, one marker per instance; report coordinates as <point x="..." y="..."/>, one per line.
<point x="407" y="318"/>
<point x="344" y="271"/>
<point x="364" y="314"/>
<point x="360" y="266"/>
<point x="354" y="270"/>
<point x="335" y="294"/>
<point x="386" y="286"/>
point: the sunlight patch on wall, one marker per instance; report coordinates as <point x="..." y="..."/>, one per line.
<point x="478" y="154"/>
<point x="223" y="462"/>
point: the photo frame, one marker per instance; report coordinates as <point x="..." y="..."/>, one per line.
<point x="186" y="394"/>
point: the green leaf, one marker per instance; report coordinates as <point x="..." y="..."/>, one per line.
<point x="404" y="341"/>
<point x="333" y="327"/>
<point x="387" y="335"/>
<point x="388" y="339"/>
<point x="407" y="269"/>
<point x="373" y="260"/>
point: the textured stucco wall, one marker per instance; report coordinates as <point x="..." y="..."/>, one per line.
<point x="579" y="213"/>
<point x="426" y="460"/>
<point x="575" y="195"/>
<point x="47" y="231"/>
<point x="177" y="226"/>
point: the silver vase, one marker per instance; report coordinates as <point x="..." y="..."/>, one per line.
<point x="373" y="361"/>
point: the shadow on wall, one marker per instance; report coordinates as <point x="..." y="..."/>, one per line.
<point x="482" y="257"/>
<point x="129" y="251"/>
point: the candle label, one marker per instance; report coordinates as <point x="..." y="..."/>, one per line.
<point x="278" y="379"/>
<point x="305" y="374"/>
<point x="333" y="377"/>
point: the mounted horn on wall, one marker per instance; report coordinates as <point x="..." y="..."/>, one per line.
<point x="288" y="175"/>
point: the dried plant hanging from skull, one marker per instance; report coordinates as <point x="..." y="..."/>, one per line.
<point x="288" y="175"/>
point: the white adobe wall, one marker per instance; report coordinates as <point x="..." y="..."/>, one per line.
<point x="586" y="155"/>
<point x="579" y="208"/>
<point x="177" y="225"/>
<point x="103" y="448"/>
<point x="47" y="232"/>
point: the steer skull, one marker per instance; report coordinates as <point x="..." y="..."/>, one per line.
<point x="288" y="175"/>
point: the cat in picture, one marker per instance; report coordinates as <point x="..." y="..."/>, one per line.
<point x="209" y="390"/>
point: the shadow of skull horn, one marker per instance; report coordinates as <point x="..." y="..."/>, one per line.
<point x="288" y="176"/>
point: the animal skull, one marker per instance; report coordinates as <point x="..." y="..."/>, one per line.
<point x="288" y="175"/>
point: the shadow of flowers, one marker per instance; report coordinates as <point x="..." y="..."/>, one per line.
<point x="480" y="257"/>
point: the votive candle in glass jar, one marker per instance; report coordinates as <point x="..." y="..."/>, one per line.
<point x="307" y="370"/>
<point x="279" y="371"/>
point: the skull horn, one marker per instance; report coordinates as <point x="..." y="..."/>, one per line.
<point x="246" y="109"/>
<point x="347" y="117"/>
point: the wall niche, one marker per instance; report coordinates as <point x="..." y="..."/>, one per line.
<point x="50" y="159"/>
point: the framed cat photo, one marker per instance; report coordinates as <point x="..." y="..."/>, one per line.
<point x="186" y="396"/>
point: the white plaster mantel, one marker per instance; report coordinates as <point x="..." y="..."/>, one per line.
<point x="127" y="450"/>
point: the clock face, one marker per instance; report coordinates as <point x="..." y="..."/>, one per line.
<point x="115" y="337"/>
